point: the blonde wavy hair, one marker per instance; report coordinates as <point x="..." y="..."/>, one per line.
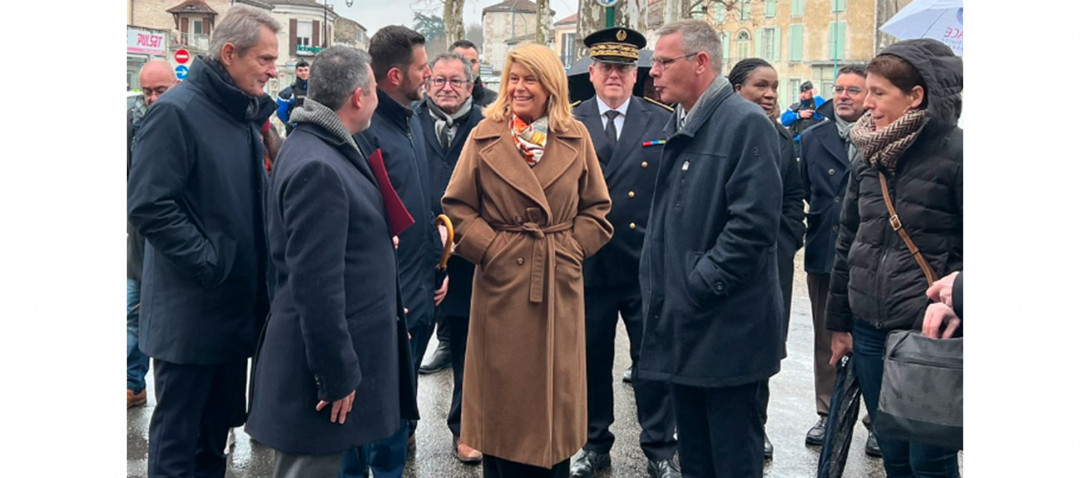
<point x="545" y="65"/>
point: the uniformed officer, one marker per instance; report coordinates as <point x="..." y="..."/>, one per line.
<point x="627" y="131"/>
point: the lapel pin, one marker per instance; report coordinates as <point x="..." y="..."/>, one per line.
<point x="654" y="143"/>
<point x="685" y="166"/>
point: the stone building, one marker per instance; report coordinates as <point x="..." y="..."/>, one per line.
<point x="564" y="42"/>
<point x="349" y="33"/>
<point x="502" y="22"/>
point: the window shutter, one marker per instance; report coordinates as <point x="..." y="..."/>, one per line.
<point x="726" y="48"/>
<point x="316" y="34"/>
<point x="795" y="39"/>
<point x="185" y="24"/>
<point x="293" y="38"/>
<point x="759" y="43"/>
<point x="797" y="7"/>
<point x="770" y="8"/>
<point x="778" y="36"/>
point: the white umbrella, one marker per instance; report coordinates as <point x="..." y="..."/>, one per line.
<point x="938" y="19"/>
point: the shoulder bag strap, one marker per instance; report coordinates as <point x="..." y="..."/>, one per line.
<point x="895" y="222"/>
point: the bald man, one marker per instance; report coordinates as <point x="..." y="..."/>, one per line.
<point x="156" y="77"/>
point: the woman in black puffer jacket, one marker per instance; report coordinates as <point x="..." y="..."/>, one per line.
<point x="910" y="135"/>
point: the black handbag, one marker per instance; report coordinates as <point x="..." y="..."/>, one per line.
<point x="922" y="382"/>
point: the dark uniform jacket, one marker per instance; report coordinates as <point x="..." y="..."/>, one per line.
<point x="134" y="267"/>
<point x="630" y="174"/>
<point x="334" y="324"/>
<point x="441" y="165"/>
<point x="402" y="143"/>
<point x="712" y="300"/>
<point x="825" y="168"/>
<point x="875" y="278"/>
<point x="195" y="193"/>
<point x="482" y="96"/>
<point x="789" y="239"/>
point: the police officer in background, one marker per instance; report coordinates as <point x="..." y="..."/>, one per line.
<point x="293" y="95"/>
<point x="626" y="131"/>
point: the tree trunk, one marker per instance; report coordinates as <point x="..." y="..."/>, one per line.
<point x="632" y="14"/>
<point x="592" y="17"/>
<point x="544" y="30"/>
<point x="452" y="20"/>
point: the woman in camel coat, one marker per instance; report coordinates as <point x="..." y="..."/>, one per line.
<point x="528" y="203"/>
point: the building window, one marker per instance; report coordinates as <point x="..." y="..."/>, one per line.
<point x="745" y="10"/>
<point x="798" y="7"/>
<point x="768" y="46"/>
<point x="795" y="43"/>
<point x="568" y="48"/>
<point x="198" y="27"/>
<point x="770" y="8"/>
<point x="742" y="45"/>
<point x="720" y="13"/>
<point x="303" y="31"/>
<point x="839" y="5"/>
<point x="725" y="38"/>
<point x="793" y="88"/>
<point x="837" y="38"/>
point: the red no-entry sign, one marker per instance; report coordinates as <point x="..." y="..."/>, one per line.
<point x="181" y="56"/>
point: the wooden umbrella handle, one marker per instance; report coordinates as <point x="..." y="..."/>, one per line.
<point x="448" y="248"/>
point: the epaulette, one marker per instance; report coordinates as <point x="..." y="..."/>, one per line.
<point x="665" y="107"/>
<point x="575" y="103"/>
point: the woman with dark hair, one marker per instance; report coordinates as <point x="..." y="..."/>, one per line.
<point x="529" y="203"/>
<point x="755" y="80"/>
<point x="911" y="148"/>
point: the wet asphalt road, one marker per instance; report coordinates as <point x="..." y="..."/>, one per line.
<point x="791" y="413"/>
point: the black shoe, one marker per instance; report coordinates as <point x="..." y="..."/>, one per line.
<point x="587" y="463"/>
<point x="439" y="360"/>
<point x="872" y="446"/>
<point x="768" y="448"/>
<point x="627" y="375"/>
<point x="663" y="469"/>
<point x="816" y="435"/>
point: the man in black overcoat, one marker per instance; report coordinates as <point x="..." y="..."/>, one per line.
<point x="196" y="194"/>
<point x="627" y="134"/>
<point x="328" y="365"/>
<point x="400" y="65"/>
<point x="712" y="303"/>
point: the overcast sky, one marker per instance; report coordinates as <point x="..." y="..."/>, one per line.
<point x="375" y="14"/>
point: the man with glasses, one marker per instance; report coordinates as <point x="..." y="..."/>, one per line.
<point x="827" y="153"/>
<point x="446" y="116"/>
<point x="712" y="303"/>
<point x="627" y="133"/>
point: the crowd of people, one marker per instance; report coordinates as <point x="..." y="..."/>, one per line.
<point x="319" y="267"/>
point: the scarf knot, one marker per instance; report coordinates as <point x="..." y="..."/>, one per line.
<point x="530" y="138"/>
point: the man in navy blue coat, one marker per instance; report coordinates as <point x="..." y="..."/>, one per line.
<point x="400" y="67"/>
<point x="446" y="116"/>
<point x="625" y="130"/>
<point x="329" y="353"/>
<point x="195" y="192"/>
<point x="827" y="154"/>
<point x="712" y="304"/>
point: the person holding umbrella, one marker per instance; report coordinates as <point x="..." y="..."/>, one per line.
<point x="910" y="180"/>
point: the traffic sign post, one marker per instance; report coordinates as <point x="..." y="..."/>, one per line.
<point x="181" y="72"/>
<point x="181" y="56"/>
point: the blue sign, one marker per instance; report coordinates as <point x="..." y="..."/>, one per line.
<point x="181" y="72"/>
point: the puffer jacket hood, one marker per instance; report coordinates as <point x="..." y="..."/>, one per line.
<point x="942" y="75"/>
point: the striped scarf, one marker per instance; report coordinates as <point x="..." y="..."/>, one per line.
<point x="530" y="138"/>
<point x="884" y="147"/>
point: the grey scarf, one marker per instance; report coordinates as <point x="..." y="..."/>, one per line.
<point x="718" y="84"/>
<point x="445" y="127"/>
<point x="844" y="129"/>
<point x="320" y="115"/>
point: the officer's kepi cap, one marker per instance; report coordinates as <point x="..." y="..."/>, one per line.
<point x="615" y="45"/>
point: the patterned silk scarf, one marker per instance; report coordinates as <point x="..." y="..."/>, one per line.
<point x="530" y="138"/>
<point x="886" y="146"/>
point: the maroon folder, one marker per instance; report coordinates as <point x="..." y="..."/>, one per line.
<point x="396" y="215"/>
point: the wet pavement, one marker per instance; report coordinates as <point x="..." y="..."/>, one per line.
<point x="791" y="413"/>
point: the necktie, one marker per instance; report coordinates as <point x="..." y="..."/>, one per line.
<point x="611" y="135"/>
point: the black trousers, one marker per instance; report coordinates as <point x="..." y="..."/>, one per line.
<point x="654" y="409"/>
<point x="458" y="331"/>
<point x="193" y="411"/>
<point x="495" y="467"/>
<point x="719" y="431"/>
<point x="785" y="258"/>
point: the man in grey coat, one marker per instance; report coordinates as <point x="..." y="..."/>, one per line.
<point x="712" y="303"/>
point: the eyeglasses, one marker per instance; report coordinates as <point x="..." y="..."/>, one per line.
<point x="456" y="83"/>
<point x="665" y="63"/>
<point x="609" y="68"/>
<point x="852" y="90"/>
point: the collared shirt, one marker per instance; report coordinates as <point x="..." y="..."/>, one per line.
<point x="619" y="121"/>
